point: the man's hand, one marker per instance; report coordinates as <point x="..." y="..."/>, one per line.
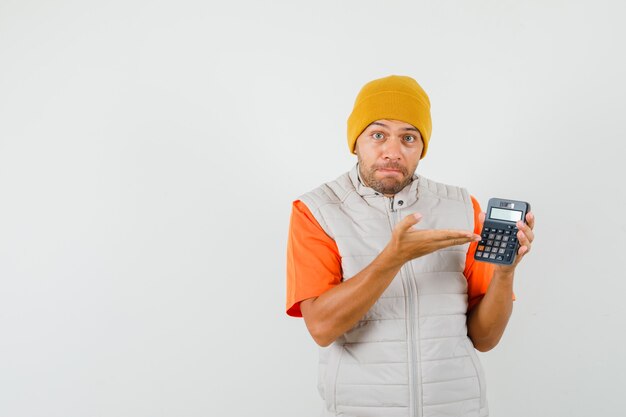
<point x="408" y="243"/>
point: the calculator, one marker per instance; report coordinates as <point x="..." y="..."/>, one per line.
<point x="499" y="243"/>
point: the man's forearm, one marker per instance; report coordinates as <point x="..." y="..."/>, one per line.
<point x="488" y="319"/>
<point x="340" y="308"/>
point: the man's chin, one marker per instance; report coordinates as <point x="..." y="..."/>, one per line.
<point x="388" y="186"/>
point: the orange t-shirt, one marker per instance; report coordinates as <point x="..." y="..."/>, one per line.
<point x="314" y="263"/>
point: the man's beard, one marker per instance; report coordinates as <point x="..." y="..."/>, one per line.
<point x="387" y="185"/>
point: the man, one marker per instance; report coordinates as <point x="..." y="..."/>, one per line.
<point x="380" y="266"/>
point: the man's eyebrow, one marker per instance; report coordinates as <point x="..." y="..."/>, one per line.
<point x="384" y="125"/>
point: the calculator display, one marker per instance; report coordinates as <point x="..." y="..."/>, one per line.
<point x="507" y="215"/>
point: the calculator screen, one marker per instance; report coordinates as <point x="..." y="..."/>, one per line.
<point x="508" y="215"/>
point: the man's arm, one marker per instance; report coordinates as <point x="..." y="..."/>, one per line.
<point x="337" y="310"/>
<point x="488" y="319"/>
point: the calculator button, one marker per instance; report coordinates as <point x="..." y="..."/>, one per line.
<point x="493" y="230"/>
<point x="491" y="236"/>
<point x="485" y="255"/>
<point x="481" y="247"/>
<point x="499" y="258"/>
<point x="479" y="254"/>
<point x="505" y="238"/>
<point x="513" y="239"/>
<point x="500" y="230"/>
<point x="508" y="226"/>
<point x="482" y="242"/>
<point x="498" y="237"/>
<point x="507" y="232"/>
<point x="511" y="245"/>
<point x="494" y="250"/>
<point x="492" y="256"/>
<point x="508" y="255"/>
<point x="501" y="251"/>
<point x="490" y="242"/>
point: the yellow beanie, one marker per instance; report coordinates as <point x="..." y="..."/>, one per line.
<point x="395" y="98"/>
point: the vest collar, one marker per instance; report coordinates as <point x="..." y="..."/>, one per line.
<point x="406" y="197"/>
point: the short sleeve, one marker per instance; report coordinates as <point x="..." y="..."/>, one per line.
<point x="478" y="274"/>
<point x="313" y="260"/>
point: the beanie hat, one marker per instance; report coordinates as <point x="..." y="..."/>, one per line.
<point x="395" y="98"/>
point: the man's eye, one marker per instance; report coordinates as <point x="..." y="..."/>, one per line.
<point x="409" y="138"/>
<point x="378" y="136"/>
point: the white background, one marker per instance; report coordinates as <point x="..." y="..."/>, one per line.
<point x="150" y="151"/>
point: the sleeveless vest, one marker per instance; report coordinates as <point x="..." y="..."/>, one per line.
<point x="409" y="356"/>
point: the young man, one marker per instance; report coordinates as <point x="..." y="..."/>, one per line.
<point x="380" y="266"/>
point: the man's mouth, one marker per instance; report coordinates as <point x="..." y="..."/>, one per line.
<point x="390" y="170"/>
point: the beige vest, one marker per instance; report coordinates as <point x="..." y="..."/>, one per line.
<point x="409" y="356"/>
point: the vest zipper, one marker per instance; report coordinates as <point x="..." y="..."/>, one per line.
<point x="413" y="341"/>
<point x="414" y="386"/>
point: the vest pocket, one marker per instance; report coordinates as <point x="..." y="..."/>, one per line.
<point x="330" y="380"/>
<point x="479" y="372"/>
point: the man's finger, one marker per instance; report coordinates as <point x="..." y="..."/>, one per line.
<point x="465" y="235"/>
<point x="523" y="250"/>
<point x="530" y="219"/>
<point x="524" y="241"/>
<point x="440" y="244"/>
<point x="525" y="235"/>
<point x="409" y="221"/>
<point x="451" y="238"/>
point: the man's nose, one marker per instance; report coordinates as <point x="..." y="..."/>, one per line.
<point x="391" y="149"/>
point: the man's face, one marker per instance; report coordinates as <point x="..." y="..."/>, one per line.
<point x="388" y="153"/>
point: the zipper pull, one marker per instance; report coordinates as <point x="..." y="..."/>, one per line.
<point x="391" y="202"/>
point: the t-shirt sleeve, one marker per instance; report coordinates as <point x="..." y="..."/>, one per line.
<point x="478" y="274"/>
<point x="313" y="260"/>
